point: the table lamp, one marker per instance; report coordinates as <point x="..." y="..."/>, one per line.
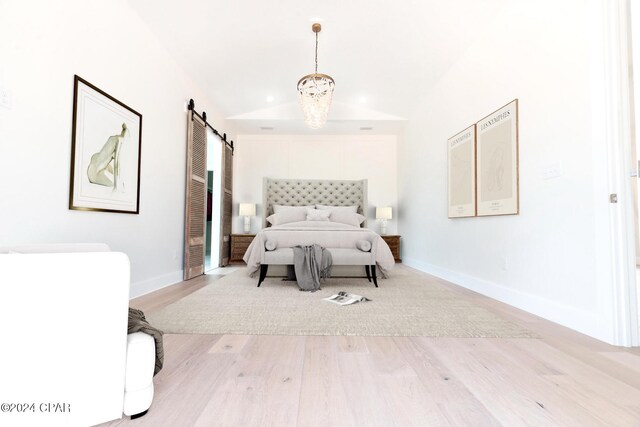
<point x="247" y="210"/>
<point x="383" y="214"/>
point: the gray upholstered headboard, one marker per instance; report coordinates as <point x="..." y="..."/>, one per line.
<point x="301" y="192"/>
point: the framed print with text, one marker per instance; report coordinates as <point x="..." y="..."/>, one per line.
<point x="497" y="162"/>
<point x="106" y="146"/>
<point x="462" y="173"/>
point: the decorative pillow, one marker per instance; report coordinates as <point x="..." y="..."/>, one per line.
<point x="317" y="215"/>
<point x="346" y="217"/>
<point x="280" y="208"/>
<point x="286" y="216"/>
<point x="363" y="245"/>
<point x="353" y="209"/>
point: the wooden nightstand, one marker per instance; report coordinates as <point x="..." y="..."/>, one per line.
<point x="394" y="245"/>
<point x="239" y="245"/>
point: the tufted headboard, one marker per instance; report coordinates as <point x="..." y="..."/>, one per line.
<point x="301" y="192"/>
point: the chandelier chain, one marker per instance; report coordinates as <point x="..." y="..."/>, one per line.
<point x="316" y="53"/>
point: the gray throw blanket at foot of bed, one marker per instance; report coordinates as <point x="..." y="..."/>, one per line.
<point x="311" y="263"/>
<point x="137" y="323"/>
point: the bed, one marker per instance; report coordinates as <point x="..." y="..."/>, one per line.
<point x="341" y="238"/>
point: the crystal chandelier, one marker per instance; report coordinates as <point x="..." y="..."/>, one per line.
<point x="315" y="92"/>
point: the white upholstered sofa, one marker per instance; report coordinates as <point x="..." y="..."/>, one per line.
<point x="63" y="310"/>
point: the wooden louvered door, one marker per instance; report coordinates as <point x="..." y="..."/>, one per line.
<point x="196" y="198"/>
<point x="227" y="197"/>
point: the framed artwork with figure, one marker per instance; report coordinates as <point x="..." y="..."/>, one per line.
<point x="497" y="162"/>
<point x="106" y="147"/>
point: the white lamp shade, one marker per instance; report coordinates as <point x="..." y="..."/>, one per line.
<point x="247" y="209"/>
<point x="384" y="213"/>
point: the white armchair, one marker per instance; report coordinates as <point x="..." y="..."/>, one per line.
<point x="138" y="384"/>
<point x="64" y="314"/>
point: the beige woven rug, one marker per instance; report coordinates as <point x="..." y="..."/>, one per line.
<point x="407" y="304"/>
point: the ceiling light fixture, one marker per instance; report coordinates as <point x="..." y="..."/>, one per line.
<point x="315" y="92"/>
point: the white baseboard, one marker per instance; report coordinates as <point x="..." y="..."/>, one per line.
<point x="143" y="287"/>
<point x="578" y="320"/>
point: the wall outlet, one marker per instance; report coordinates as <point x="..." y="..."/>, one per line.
<point x="5" y="98"/>
<point x="552" y="170"/>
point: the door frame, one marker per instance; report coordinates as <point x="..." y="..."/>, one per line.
<point x="217" y="192"/>
<point x="618" y="133"/>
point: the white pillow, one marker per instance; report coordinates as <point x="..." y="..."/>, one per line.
<point x="345" y="217"/>
<point x="317" y="215"/>
<point x="353" y="209"/>
<point x="318" y="224"/>
<point x="286" y="216"/>
<point x="280" y="208"/>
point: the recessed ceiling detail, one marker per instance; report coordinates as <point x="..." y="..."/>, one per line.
<point x="392" y="53"/>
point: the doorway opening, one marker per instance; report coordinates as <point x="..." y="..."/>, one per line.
<point x="214" y="205"/>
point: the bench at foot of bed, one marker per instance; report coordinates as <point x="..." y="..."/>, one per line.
<point x="369" y="269"/>
<point x="340" y="256"/>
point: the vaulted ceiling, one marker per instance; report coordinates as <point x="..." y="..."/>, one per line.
<point x="384" y="56"/>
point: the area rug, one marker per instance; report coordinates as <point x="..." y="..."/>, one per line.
<point x="408" y="303"/>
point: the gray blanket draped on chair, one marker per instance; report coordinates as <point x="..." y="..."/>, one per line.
<point x="138" y="323"/>
<point x="311" y="263"/>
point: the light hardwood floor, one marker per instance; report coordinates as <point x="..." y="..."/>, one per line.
<point x="562" y="378"/>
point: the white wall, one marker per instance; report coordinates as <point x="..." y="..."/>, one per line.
<point x="547" y="260"/>
<point x="373" y="157"/>
<point x="42" y="45"/>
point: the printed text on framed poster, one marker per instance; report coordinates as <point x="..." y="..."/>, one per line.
<point x="497" y="162"/>
<point x="462" y="173"/>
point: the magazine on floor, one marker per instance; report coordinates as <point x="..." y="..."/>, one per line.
<point x="345" y="298"/>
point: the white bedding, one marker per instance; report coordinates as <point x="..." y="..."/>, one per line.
<point x="324" y="233"/>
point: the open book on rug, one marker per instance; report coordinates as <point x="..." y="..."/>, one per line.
<point x="345" y="298"/>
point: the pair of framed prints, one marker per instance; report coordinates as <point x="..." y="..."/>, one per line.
<point x="483" y="166"/>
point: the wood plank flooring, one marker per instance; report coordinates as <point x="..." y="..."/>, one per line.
<point x="563" y="378"/>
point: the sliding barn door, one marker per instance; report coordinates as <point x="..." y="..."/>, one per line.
<point x="226" y="205"/>
<point x="196" y="198"/>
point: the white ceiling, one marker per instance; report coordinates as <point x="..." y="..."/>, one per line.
<point x="383" y="55"/>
